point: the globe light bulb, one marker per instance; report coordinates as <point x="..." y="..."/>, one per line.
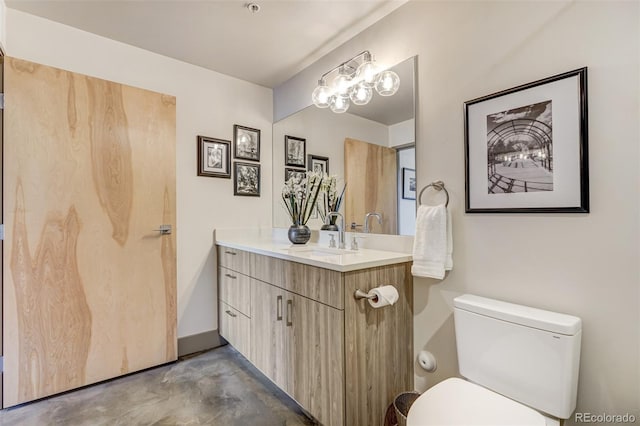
<point x="361" y="94"/>
<point x="340" y="104"/>
<point x="321" y="95"/>
<point x="367" y="72"/>
<point x="341" y="85"/>
<point x="388" y="83"/>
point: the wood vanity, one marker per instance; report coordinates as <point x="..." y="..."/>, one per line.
<point x="340" y="359"/>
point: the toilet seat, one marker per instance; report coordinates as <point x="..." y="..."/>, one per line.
<point x="458" y="402"/>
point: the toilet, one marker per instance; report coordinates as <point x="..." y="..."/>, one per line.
<point x="520" y="366"/>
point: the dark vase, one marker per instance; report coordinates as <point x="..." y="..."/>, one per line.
<point x="331" y="226"/>
<point x="299" y="234"/>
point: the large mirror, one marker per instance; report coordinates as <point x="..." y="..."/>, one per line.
<point x="371" y="148"/>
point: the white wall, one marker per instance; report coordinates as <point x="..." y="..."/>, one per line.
<point x="208" y="103"/>
<point x="582" y="264"/>
<point x="3" y="25"/>
<point x="325" y="132"/>
<point x="403" y="133"/>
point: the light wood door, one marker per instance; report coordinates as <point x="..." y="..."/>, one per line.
<point x="268" y="338"/>
<point x="315" y="341"/>
<point x="89" y="287"/>
<point x="370" y="171"/>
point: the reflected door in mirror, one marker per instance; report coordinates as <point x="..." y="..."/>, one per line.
<point x="371" y="175"/>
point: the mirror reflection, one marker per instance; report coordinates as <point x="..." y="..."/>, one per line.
<point x="370" y="148"/>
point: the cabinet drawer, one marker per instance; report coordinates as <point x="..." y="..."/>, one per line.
<point x="235" y="328"/>
<point x="235" y="290"/>
<point x="319" y="284"/>
<point x="234" y="259"/>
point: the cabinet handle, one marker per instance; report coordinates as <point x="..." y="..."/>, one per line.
<point x="279" y="308"/>
<point x="233" y="277"/>
<point x="233" y="253"/>
<point x="289" y="309"/>
<point x="231" y="314"/>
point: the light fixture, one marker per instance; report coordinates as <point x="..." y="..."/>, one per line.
<point x="321" y="95"/>
<point x="367" y="72"/>
<point x="388" y="83"/>
<point x="354" y="83"/>
<point x="341" y="85"/>
<point x="361" y="94"/>
<point x="339" y="104"/>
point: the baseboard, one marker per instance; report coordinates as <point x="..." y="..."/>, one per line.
<point x="199" y="342"/>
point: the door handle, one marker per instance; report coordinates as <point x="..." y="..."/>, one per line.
<point x="231" y="314"/>
<point x="164" y="229"/>
<point x="279" y="308"/>
<point x="289" y="314"/>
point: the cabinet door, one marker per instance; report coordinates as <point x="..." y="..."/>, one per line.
<point x="268" y="332"/>
<point x="315" y="342"/>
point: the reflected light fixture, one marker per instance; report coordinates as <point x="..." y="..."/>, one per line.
<point x="355" y="82"/>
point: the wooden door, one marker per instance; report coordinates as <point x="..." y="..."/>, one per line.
<point x="370" y="172"/>
<point x="89" y="287"/>
<point x="268" y="344"/>
<point x="316" y="350"/>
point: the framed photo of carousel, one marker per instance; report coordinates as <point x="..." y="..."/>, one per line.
<point x="526" y="148"/>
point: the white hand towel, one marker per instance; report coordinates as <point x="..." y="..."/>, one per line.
<point x="433" y="243"/>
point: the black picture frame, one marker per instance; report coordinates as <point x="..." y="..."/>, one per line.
<point x="526" y="148"/>
<point x="408" y="183"/>
<point x="316" y="161"/>
<point x="295" y="151"/>
<point x="246" y="143"/>
<point x="288" y="172"/>
<point x="246" y="179"/>
<point x="214" y="157"/>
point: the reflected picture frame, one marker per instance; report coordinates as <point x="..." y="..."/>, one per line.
<point x="526" y="148"/>
<point x="317" y="163"/>
<point x="214" y="157"/>
<point x="295" y="151"/>
<point x="408" y="183"/>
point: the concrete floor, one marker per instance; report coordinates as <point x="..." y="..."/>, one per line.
<point x="218" y="387"/>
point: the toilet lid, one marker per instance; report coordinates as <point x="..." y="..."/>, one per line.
<point x="458" y="402"/>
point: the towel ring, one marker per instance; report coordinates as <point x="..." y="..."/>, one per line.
<point x="438" y="185"/>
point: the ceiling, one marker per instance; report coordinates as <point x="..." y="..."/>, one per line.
<point x="266" y="48"/>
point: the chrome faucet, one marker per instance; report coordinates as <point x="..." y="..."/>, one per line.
<point x="366" y="220"/>
<point x="340" y="229"/>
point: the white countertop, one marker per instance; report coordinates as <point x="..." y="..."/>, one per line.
<point x="312" y="253"/>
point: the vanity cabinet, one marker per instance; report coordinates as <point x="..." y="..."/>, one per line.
<point x="299" y="344"/>
<point x="234" y="299"/>
<point x="339" y="358"/>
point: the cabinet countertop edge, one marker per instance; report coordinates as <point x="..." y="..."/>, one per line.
<point x="319" y="256"/>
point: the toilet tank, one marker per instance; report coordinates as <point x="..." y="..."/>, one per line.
<point x="526" y="354"/>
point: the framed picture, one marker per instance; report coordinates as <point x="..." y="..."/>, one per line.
<point x="526" y="148"/>
<point x="214" y="159"/>
<point x="295" y="150"/>
<point x="316" y="163"/>
<point x="247" y="179"/>
<point x="408" y="183"/>
<point x="246" y="143"/>
<point x="289" y="173"/>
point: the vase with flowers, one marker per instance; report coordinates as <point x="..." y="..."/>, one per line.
<point x="330" y="201"/>
<point x="300" y="195"/>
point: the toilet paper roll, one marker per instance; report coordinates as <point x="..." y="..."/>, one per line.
<point x="384" y="296"/>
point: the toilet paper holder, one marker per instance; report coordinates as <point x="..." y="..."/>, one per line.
<point x="359" y="294"/>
